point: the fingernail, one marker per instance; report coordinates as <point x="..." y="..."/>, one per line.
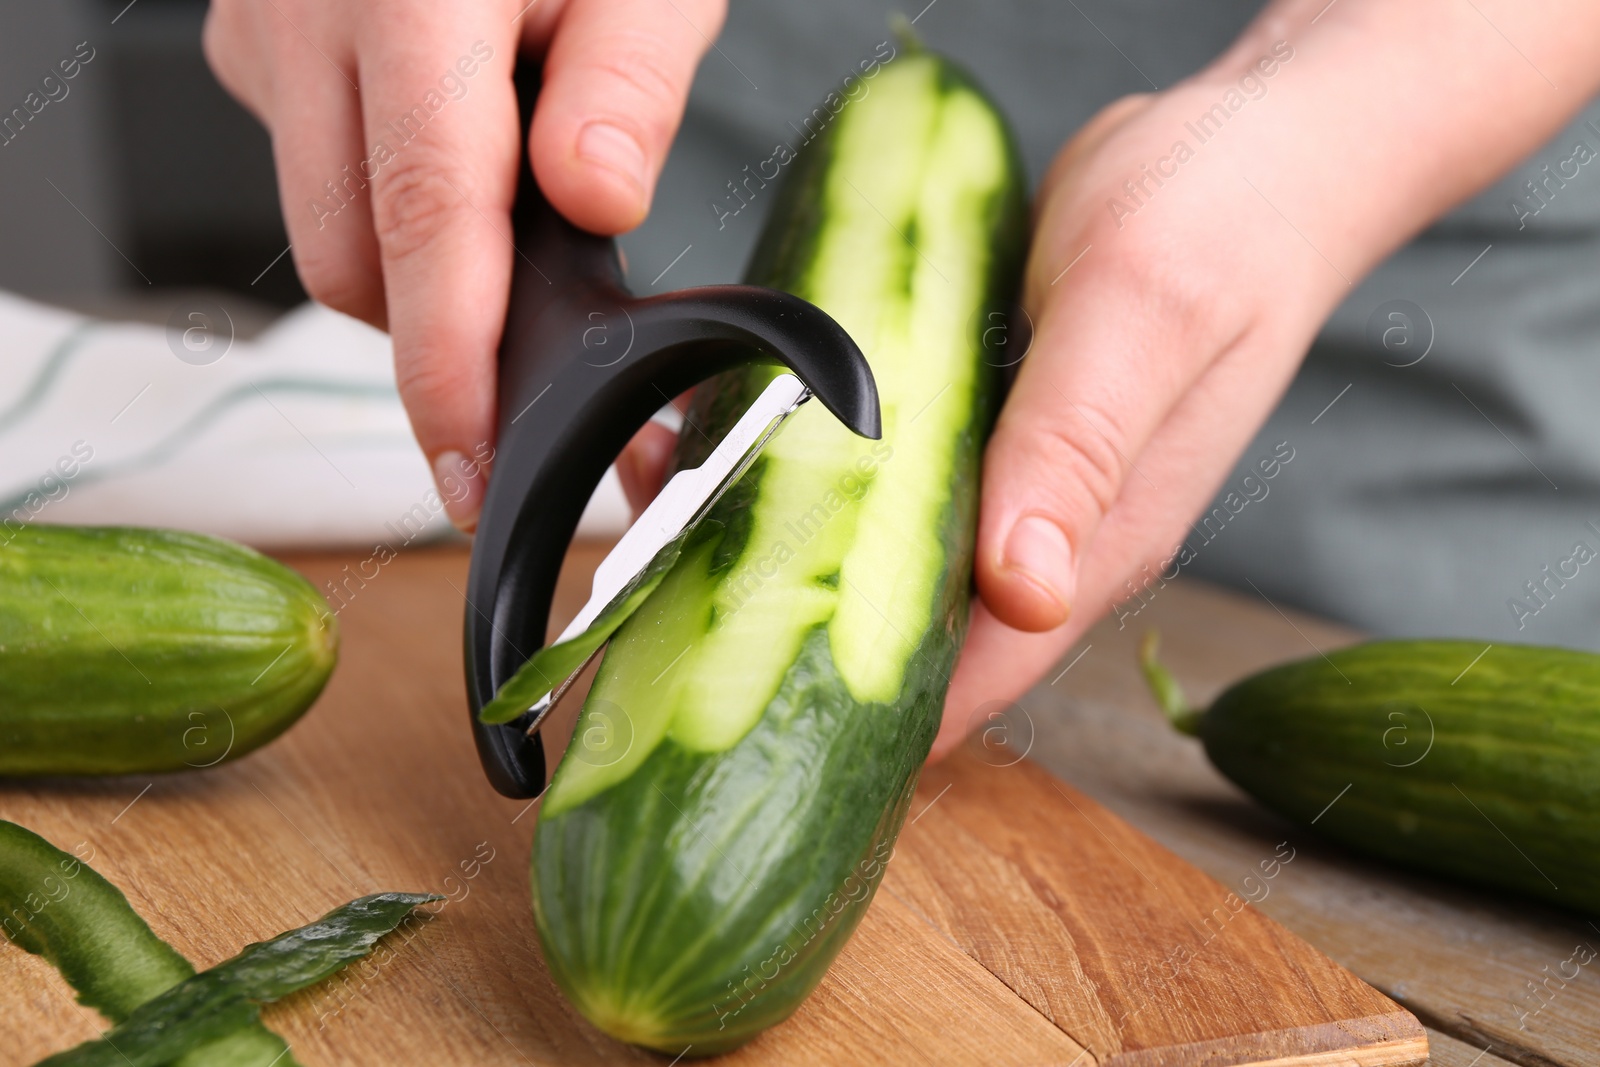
<point x="1038" y="551"/>
<point x="461" y="484"/>
<point x="612" y="148"/>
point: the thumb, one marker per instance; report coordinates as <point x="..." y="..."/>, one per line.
<point x="1088" y="398"/>
<point x="616" y="79"/>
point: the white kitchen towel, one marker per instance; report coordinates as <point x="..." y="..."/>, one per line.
<point x="296" y="439"/>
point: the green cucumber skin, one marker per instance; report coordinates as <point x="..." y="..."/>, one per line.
<point x="1518" y="736"/>
<point x="57" y="907"/>
<point x="189" y="1022"/>
<point x="54" y="905"/>
<point x="745" y="846"/>
<point x="731" y="880"/>
<point x="129" y="650"/>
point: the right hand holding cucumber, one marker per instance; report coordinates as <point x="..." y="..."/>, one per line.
<point x="1174" y="291"/>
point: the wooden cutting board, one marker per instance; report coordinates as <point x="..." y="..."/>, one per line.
<point x="1019" y="922"/>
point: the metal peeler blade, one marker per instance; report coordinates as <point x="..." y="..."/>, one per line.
<point x="635" y="566"/>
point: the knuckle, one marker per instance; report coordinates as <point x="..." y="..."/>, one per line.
<point x="214" y="33"/>
<point x="219" y="43"/>
<point x="1183" y="298"/>
<point x="708" y="17"/>
<point x="335" y="281"/>
<point x="414" y="206"/>
<point x="1081" y="447"/>
<point x="643" y="75"/>
<point x="429" y="383"/>
<point x="641" y="70"/>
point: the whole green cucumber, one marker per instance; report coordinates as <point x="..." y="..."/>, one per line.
<point x="56" y="906"/>
<point x="1477" y="762"/>
<point x="745" y="758"/>
<point x="129" y="650"/>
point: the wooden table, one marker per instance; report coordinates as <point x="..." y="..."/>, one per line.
<point x="1458" y="959"/>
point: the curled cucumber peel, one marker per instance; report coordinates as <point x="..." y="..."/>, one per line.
<point x="185" y="1019"/>
<point x="56" y="906"/>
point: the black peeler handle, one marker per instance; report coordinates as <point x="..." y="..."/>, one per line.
<point x="583" y="365"/>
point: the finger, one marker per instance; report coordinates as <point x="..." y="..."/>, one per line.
<point x="997" y="664"/>
<point x="305" y="93"/>
<point x="1145" y="540"/>
<point x="616" y="79"/>
<point x="1091" y="135"/>
<point x="324" y="186"/>
<point x="232" y="45"/>
<point x="1112" y="355"/>
<point x="441" y="118"/>
<point x="642" y="467"/>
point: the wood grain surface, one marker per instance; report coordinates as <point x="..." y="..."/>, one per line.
<point x="1021" y="922"/>
<point x="1142" y="958"/>
<point x="1460" y="959"/>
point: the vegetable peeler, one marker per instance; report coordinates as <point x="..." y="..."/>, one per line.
<point x="583" y="364"/>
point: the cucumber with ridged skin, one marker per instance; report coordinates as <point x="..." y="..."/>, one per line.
<point x="1450" y="757"/>
<point x="745" y="758"/>
<point x="54" y="905"/>
<point x="128" y="650"/>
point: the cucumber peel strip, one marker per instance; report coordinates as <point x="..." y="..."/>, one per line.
<point x="547" y="668"/>
<point x="103" y="949"/>
<point x="1165" y="688"/>
<point x="217" y="1002"/>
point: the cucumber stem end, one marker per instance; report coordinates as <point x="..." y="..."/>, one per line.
<point x="904" y="34"/>
<point x="1169" y="695"/>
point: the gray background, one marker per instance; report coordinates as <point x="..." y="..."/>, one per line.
<point x="1419" y="503"/>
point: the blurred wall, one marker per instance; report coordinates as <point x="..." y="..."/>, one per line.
<point x="46" y="245"/>
<point x="161" y="180"/>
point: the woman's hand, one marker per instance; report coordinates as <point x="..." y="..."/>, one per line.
<point x="397" y="142"/>
<point x="1188" y="247"/>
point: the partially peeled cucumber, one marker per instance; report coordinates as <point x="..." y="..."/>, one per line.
<point x="744" y="760"/>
